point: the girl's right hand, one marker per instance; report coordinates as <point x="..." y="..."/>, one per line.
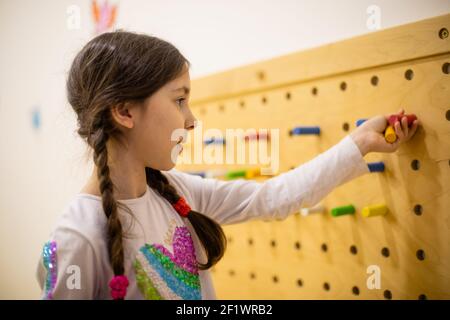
<point x="369" y="136"/>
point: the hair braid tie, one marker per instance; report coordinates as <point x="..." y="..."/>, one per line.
<point x="182" y="207"/>
<point x="118" y="286"/>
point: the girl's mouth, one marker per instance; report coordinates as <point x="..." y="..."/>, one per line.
<point x="180" y="140"/>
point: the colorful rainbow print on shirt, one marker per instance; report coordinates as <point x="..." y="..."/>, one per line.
<point x="162" y="274"/>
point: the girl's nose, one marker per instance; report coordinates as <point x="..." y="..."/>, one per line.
<point x="191" y="122"/>
<point x="190" y="126"/>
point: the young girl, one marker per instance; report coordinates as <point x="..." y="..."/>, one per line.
<point x="140" y="230"/>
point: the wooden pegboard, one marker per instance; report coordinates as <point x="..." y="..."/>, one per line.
<point x="319" y="256"/>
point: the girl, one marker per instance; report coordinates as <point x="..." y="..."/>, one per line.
<point x="139" y="229"/>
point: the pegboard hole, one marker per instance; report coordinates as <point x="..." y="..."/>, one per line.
<point x="230" y="239"/>
<point x="300" y="282"/>
<point x="447" y="115"/>
<point x="250" y="241"/>
<point x="418" y="210"/>
<point x="221" y="108"/>
<point x="343" y="86"/>
<point x="355" y="291"/>
<point x="443" y="33"/>
<point x="385" y="252"/>
<point x="324" y="247"/>
<point x="261" y="75"/>
<point x="353" y="250"/>
<point x="273" y="243"/>
<point x="264" y="100"/>
<point x="345" y="126"/>
<point x="231" y="273"/>
<point x="420" y="254"/>
<point x="202" y="111"/>
<point x="252" y="275"/>
<point x="297" y="245"/>
<point x="387" y="294"/>
<point x="409" y="74"/>
<point x="326" y="286"/>
<point x="242" y="104"/>
<point x="314" y="91"/>
<point x="275" y="279"/>
<point x="374" y="81"/>
<point x="446" y="68"/>
<point x="288" y="96"/>
<point x="423" y="297"/>
<point x="415" y="164"/>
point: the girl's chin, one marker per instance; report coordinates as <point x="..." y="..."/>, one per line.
<point x="163" y="167"/>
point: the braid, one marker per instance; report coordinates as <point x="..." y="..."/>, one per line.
<point x="98" y="141"/>
<point x="157" y="181"/>
<point x="208" y="231"/>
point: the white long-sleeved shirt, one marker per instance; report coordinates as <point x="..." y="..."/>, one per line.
<point x="159" y="259"/>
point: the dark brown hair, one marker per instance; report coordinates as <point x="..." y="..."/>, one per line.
<point x="112" y="69"/>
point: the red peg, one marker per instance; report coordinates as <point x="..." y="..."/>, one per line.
<point x="396" y="117"/>
<point x="263" y="135"/>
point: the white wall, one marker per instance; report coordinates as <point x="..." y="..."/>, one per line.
<point x="40" y="170"/>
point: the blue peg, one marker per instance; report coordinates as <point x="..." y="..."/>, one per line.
<point x="214" y="140"/>
<point x="304" y="130"/>
<point x="376" y="166"/>
<point x="360" y="122"/>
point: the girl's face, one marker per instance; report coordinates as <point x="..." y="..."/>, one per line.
<point x="153" y="131"/>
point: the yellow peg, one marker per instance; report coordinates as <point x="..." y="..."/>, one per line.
<point x="390" y="135"/>
<point x="375" y="210"/>
<point x="251" y="173"/>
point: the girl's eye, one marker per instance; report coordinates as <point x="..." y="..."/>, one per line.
<point x="180" y="101"/>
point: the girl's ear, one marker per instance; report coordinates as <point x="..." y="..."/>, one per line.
<point x="124" y="115"/>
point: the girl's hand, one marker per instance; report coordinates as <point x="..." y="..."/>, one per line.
<point x="369" y="136"/>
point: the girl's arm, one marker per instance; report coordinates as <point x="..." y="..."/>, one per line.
<point x="241" y="200"/>
<point x="236" y="201"/>
<point x="66" y="269"/>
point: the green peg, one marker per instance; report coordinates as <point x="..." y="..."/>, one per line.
<point x="235" y="174"/>
<point x="340" y="211"/>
